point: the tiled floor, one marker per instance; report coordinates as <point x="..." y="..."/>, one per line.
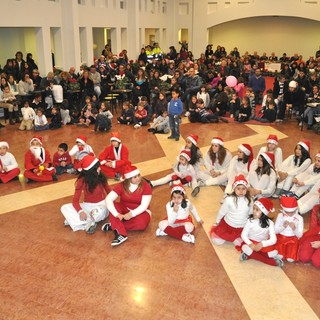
<point x="49" y="272"/>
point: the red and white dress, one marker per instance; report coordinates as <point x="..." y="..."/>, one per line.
<point x="287" y="238"/>
<point x="232" y="217"/>
<point x="35" y="161"/>
<point x="254" y="233"/>
<point x="119" y="157"/>
<point x="12" y="170"/>
<point x="137" y="200"/>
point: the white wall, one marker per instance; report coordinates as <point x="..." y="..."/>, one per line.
<point x="205" y="21"/>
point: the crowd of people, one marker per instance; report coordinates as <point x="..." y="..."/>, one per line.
<point x="163" y="87"/>
<point x="211" y="87"/>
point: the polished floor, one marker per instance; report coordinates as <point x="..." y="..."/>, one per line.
<point x="49" y="272"/>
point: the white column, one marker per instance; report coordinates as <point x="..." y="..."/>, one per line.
<point x="43" y="44"/>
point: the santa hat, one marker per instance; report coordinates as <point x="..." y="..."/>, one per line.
<point x="131" y="171"/>
<point x="186" y="154"/>
<point x="240" y="179"/>
<point x="272" y="138"/>
<point x="317" y="155"/>
<point x="292" y="84"/>
<point x="115" y="136"/>
<point x="82" y="139"/>
<point x="217" y="140"/>
<point x="265" y="205"/>
<point x="88" y="162"/>
<point x="269" y="157"/>
<point x="4" y="144"/>
<point x="305" y="144"/>
<point x="193" y="138"/>
<point x="289" y="204"/>
<point x="37" y="138"/>
<point x="247" y="150"/>
<point x="178" y="187"/>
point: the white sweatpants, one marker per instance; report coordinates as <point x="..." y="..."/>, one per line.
<point x="72" y="216"/>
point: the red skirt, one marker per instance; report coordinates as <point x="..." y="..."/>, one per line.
<point x="225" y="232"/>
<point x="287" y="246"/>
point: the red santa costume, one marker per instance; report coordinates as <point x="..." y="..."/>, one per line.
<point x="8" y="164"/>
<point x="232" y="216"/>
<point x="289" y="228"/>
<point x="37" y="163"/>
<point x="115" y="158"/>
<point x="132" y="211"/>
<point x="309" y="248"/>
<point x="80" y="150"/>
<point x="93" y="205"/>
<point x="260" y="230"/>
<point x="178" y="223"/>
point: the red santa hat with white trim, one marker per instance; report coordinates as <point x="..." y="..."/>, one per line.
<point x="82" y="139"/>
<point x="240" y="179"/>
<point x="88" y="162"/>
<point x="269" y="157"/>
<point x="317" y="155"/>
<point x="178" y="187"/>
<point x="131" y="171"/>
<point x="36" y="138"/>
<point x="265" y="205"/>
<point x="193" y="138"/>
<point x="272" y="138"/>
<point x="4" y="144"/>
<point x="186" y="154"/>
<point x="115" y="136"/>
<point x="289" y="204"/>
<point x="305" y="144"/>
<point x="217" y="140"/>
<point x="247" y="150"/>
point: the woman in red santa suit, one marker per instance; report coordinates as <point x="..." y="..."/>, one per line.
<point x="132" y="211"/>
<point x="8" y="165"/>
<point x="37" y="163"/>
<point x="114" y="158"/>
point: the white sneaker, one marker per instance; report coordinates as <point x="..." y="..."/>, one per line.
<point x="290" y="260"/>
<point x="66" y="223"/>
<point x="300" y="124"/>
<point x="160" y="233"/>
<point x="187" y="114"/>
<point x="279" y="120"/>
<point x="72" y="171"/>
<point x="187" y="237"/>
<point x="136" y="126"/>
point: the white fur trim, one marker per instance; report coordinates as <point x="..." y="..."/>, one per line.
<point x="115" y="139"/>
<point x="192" y="140"/>
<point x="132" y="174"/>
<point x="217" y="141"/>
<point x="302" y="144"/>
<point x="272" y="141"/>
<point x="4" y="144"/>
<point x="262" y="207"/>
<point x="246" y="151"/>
<point x="81" y="141"/>
<point x="178" y="188"/>
<point x="91" y="164"/>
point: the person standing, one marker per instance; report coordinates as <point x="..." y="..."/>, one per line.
<point x="175" y="109"/>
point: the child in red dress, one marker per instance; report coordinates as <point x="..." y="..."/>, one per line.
<point x="8" y="165"/>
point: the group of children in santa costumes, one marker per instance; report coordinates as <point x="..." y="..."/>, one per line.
<point x="249" y="182"/>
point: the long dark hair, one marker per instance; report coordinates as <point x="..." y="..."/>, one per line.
<point x="247" y="195"/>
<point x="195" y="155"/>
<point x="263" y="220"/>
<point x="266" y="168"/>
<point x="91" y="178"/>
<point x="221" y="154"/>
<point x="304" y="156"/>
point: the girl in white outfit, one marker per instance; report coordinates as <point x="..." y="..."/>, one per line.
<point x="217" y="162"/>
<point x="304" y="181"/>
<point x="183" y="171"/>
<point x="308" y="201"/>
<point x="178" y="223"/>
<point x="292" y="166"/>
<point x="239" y="164"/>
<point x="262" y="177"/>
<point x="272" y="146"/>
<point x="259" y="235"/>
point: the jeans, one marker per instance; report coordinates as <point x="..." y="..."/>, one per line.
<point x="174" y="122"/>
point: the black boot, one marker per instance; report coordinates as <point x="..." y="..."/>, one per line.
<point x="16" y="114"/>
<point x="10" y="117"/>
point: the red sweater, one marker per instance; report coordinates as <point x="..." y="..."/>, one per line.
<point x="98" y="194"/>
<point x="57" y="159"/>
